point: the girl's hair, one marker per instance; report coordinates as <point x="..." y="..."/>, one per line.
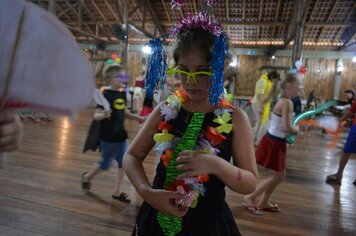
<point x="191" y="39"/>
<point x="289" y="79"/>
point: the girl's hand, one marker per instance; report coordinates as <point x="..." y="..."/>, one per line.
<point x="11" y="131"/>
<point x="194" y="163"/>
<point x="164" y="201"/>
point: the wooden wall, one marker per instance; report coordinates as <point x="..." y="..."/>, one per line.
<point x="321" y="81"/>
<point x="248" y="73"/>
<point x="348" y="77"/>
<point x="135" y="66"/>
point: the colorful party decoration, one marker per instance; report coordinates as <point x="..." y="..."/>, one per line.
<point x="308" y="114"/>
<point x="303" y="69"/>
<point x="298" y="64"/>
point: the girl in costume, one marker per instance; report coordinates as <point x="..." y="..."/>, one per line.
<point x="196" y="132"/>
<point x="271" y="152"/>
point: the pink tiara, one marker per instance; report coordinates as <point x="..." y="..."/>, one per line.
<point x="200" y="20"/>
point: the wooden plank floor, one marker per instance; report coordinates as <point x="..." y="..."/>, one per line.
<point x="40" y="190"/>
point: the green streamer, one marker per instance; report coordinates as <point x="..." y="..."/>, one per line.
<point x="172" y="225"/>
<point x="307" y="114"/>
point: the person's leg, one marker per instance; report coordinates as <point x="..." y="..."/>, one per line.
<point x="342" y="163"/>
<point x="118" y="193"/>
<point x="349" y="149"/>
<point x="103" y="164"/>
<point x="261" y="132"/>
<point x="257" y="115"/>
<point x="276" y="178"/>
<point x="263" y="186"/>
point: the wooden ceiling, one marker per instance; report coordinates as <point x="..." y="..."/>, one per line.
<point x="256" y="23"/>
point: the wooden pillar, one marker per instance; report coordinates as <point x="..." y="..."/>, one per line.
<point x="337" y="79"/>
<point x="52" y="6"/>
<point x="299" y="30"/>
<point x="125" y="50"/>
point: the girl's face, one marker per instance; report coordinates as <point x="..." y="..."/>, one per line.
<point x="194" y="61"/>
<point x="295" y="88"/>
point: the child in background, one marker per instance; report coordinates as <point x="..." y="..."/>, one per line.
<point x="113" y="136"/>
<point x="271" y="152"/>
<point x="349" y="149"/>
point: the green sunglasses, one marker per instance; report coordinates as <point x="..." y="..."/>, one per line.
<point x="190" y="76"/>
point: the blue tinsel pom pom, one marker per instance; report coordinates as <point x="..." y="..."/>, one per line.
<point x="157" y="67"/>
<point x="217" y="65"/>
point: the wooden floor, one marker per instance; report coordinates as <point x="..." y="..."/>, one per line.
<point x="40" y="190"/>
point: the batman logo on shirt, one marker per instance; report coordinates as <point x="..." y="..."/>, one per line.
<point x="119" y="104"/>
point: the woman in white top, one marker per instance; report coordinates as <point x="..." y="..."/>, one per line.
<point x="271" y="152"/>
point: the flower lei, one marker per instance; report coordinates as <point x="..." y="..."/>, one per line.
<point x="208" y="142"/>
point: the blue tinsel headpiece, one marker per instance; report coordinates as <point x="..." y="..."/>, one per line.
<point x="156" y="68"/>
<point x="157" y="65"/>
<point x="216" y="88"/>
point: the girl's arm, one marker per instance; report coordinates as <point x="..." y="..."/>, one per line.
<point x="133" y="166"/>
<point x="134" y="116"/>
<point x="287" y="112"/>
<point x="240" y="177"/>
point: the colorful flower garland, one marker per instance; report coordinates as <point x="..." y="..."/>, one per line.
<point x="207" y="141"/>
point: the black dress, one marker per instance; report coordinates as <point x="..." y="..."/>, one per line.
<point x="212" y="216"/>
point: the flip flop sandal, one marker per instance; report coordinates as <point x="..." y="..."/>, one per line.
<point x="332" y="179"/>
<point x="273" y="208"/>
<point x="254" y="210"/>
<point x="85" y="184"/>
<point x="123" y="197"/>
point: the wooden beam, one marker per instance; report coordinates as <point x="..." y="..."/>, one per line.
<point x="52" y="6"/>
<point x="166" y="10"/>
<point x="259" y="18"/>
<point x="111" y="10"/>
<point x="68" y="9"/>
<point x="91" y="15"/>
<point x="291" y="30"/>
<point x="80" y="15"/>
<point x="276" y="17"/>
<point x="299" y="30"/>
<point x="243" y="18"/>
<point x="195" y="6"/>
<point x="140" y="30"/>
<point x="327" y="20"/>
<point x="98" y="10"/>
<point x="155" y="20"/>
<point x="86" y="33"/>
<point x="134" y="10"/>
<point x="308" y="29"/>
<point x="347" y="44"/>
<point x="236" y="24"/>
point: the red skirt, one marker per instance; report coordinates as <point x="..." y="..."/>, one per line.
<point x="146" y="110"/>
<point x="271" y="153"/>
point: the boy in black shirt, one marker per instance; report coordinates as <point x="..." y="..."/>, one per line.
<point x="113" y="136"/>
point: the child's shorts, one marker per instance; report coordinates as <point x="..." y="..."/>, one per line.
<point x="350" y="146"/>
<point x="111" y="151"/>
